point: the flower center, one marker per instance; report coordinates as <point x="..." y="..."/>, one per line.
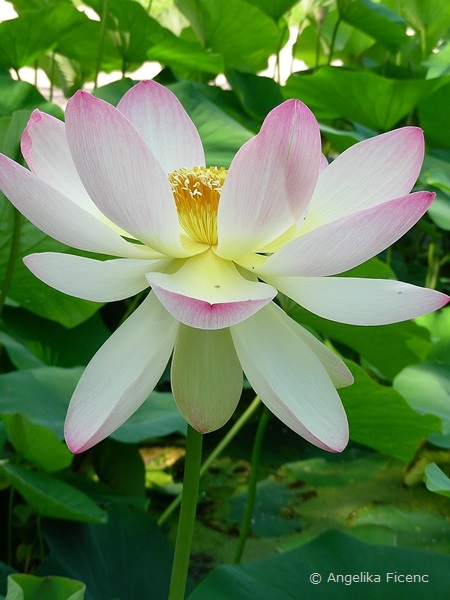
<point x="197" y="194"/>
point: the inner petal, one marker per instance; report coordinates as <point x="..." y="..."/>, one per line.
<point x="197" y="194"/>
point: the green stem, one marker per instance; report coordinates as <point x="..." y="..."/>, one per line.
<point x="251" y="491"/>
<point x="17" y="223"/>
<point x="333" y="39"/>
<point x="101" y="42"/>
<point x="433" y="267"/>
<point x="214" y="454"/>
<point x="187" y="515"/>
<point x="52" y="78"/>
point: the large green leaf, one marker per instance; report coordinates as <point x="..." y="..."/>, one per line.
<point x="239" y="31"/>
<point x="374" y="101"/>
<point x="51" y="497"/>
<point x="36" y="444"/>
<point x="128" y="558"/>
<point x="375" y="20"/>
<point x="30" y="587"/>
<point x="380" y="418"/>
<point x="310" y="572"/>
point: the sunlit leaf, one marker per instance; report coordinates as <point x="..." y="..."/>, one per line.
<point x="437" y="481"/>
<point x="22" y="42"/>
<point x="372" y="100"/>
<point x="51" y="497"/>
<point x="380" y="418"/>
<point x="375" y="20"/>
<point x="36" y="444"/>
<point x="237" y="30"/>
<point x="426" y="388"/>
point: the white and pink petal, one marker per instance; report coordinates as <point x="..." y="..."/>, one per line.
<point x="270" y="181"/>
<point x="290" y="379"/>
<point x="89" y="279"/>
<point x="360" y="301"/>
<point x="59" y="217"/>
<point x="337" y="370"/>
<point x="164" y="125"/>
<point x="121" y="375"/>
<point x="349" y="241"/>
<point x="121" y="174"/>
<point x="206" y="377"/>
<point x="44" y="147"/>
<point x="208" y="292"/>
<point x="367" y="174"/>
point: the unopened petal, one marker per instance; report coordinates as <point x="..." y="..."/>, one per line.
<point x="270" y="181"/>
<point x="96" y="280"/>
<point x="164" y="125"/>
<point x="360" y="301"/>
<point x="366" y="174"/>
<point x="343" y="244"/>
<point x="120" y="173"/>
<point x="120" y="376"/>
<point x="209" y="293"/>
<point x="206" y="377"/>
<point x="290" y="379"/>
<point x="58" y="216"/>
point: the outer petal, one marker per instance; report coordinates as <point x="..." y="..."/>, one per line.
<point x="349" y="241"/>
<point x="337" y="370"/>
<point x="96" y="280"/>
<point x="270" y="181"/>
<point x="360" y="301"/>
<point x="209" y="293"/>
<point x="120" y="173"/>
<point x="44" y="146"/>
<point x="120" y="376"/>
<point x="290" y="379"/>
<point x="59" y="217"/>
<point x="164" y="125"/>
<point x="206" y="377"/>
<point x="366" y="174"/>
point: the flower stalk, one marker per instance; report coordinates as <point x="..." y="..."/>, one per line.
<point x="227" y="439"/>
<point x="187" y="515"/>
<point x="251" y="490"/>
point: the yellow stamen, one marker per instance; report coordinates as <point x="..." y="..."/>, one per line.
<point x="197" y="194"/>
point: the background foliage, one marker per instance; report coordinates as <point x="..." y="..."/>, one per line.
<point x="85" y="526"/>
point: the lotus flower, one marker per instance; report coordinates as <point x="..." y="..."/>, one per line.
<point x="216" y="246"/>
